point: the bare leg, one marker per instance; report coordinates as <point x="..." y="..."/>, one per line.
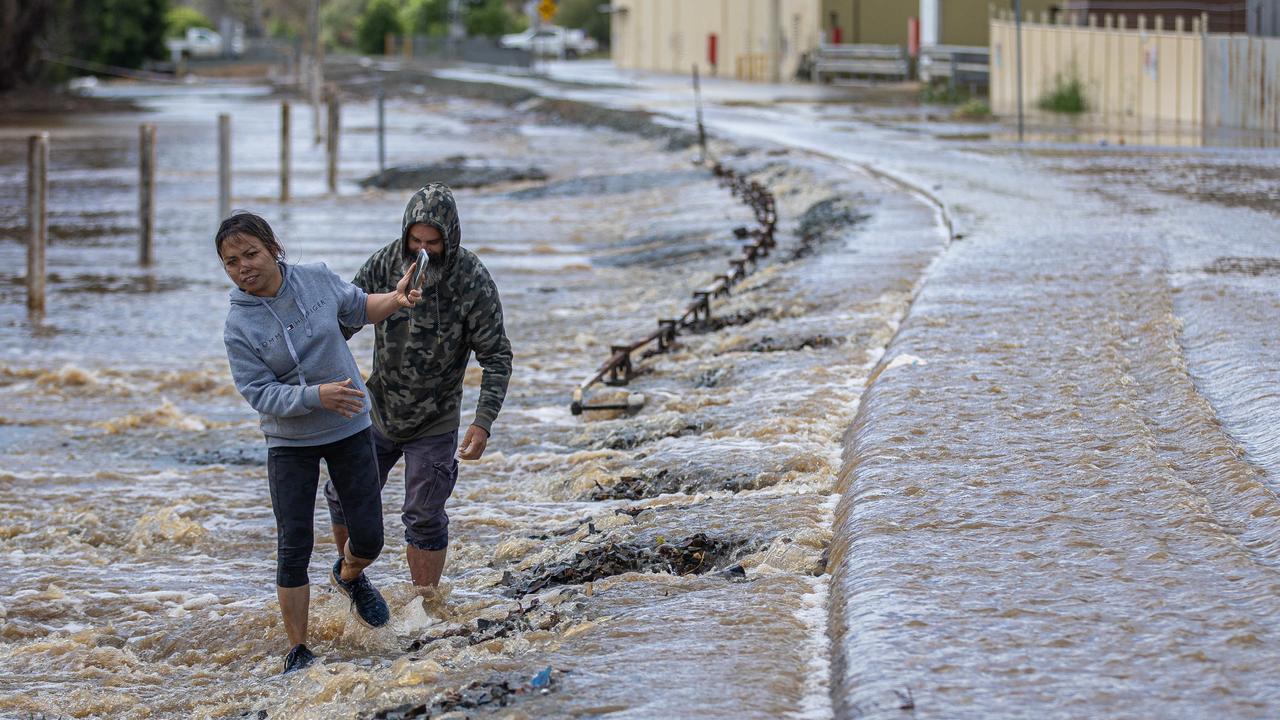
<point x="294" y="602"/>
<point x="425" y="566"/>
<point x="352" y="566"/>
<point x="340" y="539"/>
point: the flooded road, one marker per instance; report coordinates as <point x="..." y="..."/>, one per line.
<point x="667" y="564"/>
<point x="1059" y="497"/>
<point x="1066" y="502"/>
<point x="1029" y="471"/>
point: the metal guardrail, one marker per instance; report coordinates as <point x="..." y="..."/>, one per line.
<point x="846" y="59"/>
<point x="618" y="369"/>
<point x="958" y="64"/>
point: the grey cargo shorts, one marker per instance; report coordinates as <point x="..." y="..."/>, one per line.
<point x="430" y="472"/>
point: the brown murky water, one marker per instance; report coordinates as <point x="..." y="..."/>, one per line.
<point x="135" y="525"/>
<point x="1029" y="472"/>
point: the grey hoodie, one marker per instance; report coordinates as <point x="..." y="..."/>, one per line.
<point x="282" y="349"/>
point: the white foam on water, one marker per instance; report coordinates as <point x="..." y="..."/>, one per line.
<point x="812" y="612"/>
<point x="904" y="360"/>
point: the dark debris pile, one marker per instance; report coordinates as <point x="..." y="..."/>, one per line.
<point x="694" y="555"/>
<point x="824" y="222"/>
<point x="497" y="691"/>
<point x="666" y="481"/>
<point x="520" y="619"/>
<point x="458" y="172"/>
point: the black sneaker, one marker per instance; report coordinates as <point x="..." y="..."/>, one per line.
<point x="371" y="609"/>
<point x="298" y="658"/>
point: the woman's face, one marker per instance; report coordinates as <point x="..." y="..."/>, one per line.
<point x="250" y="266"/>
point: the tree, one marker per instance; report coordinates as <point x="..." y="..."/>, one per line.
<point x="585" y="14"/>
<point x="381" y="18"/>
<point x="24" y="24"/>
<point x="340" y="20"/>
<point x="180" y="19"/>
<point x="426" y="17"/>
<point x="489" y="18"/>
<point x="123" y="33"/>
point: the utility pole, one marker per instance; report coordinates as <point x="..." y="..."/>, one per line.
<point x="1017" y="23"/>
<point x="775" y="41"/>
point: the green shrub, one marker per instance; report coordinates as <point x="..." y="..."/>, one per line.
<point x="973" y="109"/>
<point x="379" y="18"/>
<point x="489" y="18"/>
<point x="426" y="17"/>
<point x="943" y="94"/>
<point x="180" y="19"/>
<point x="585" y="14"/>
<point x="1067" y="96"/>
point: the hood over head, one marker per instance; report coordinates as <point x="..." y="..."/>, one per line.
<point x="433" y="205"/>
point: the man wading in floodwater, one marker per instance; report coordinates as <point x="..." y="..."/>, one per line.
<point x="419" y="360"/>
<point x="290" y="360"/>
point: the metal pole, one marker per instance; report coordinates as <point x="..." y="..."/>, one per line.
<point x="697" y="99"/>
<point x="1017" y="20"/>
<point x="146" y="193"/>
<point x="332" y="144"/>
<point x="382" y="129"/>
<point x="37" y="218"/>
<point x="286" y="151"/>
<point x="224" y="166"/>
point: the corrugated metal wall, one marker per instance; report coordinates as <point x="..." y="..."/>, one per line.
<point x="1242" y="82"/>
<point x="1147" y="74"/>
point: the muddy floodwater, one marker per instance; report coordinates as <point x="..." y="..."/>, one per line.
<point x="135" y="522"/>
<point x="991" y="433"/>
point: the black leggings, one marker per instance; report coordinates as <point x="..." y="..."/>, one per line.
<point x="294" y="474"/>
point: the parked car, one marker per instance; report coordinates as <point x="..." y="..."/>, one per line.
<point x="198" y="43"/>
<point x="551" y="40"/>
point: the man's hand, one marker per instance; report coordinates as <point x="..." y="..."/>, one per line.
<point x="341" y="398"/>
<point x="473" y="444"/>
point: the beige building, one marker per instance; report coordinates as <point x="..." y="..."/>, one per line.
<point x="741" y="35"/>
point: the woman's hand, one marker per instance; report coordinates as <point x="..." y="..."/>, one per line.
<point x="404" y="296"/>
<point x="341" y="398"/>
<point x="381" y="306"/>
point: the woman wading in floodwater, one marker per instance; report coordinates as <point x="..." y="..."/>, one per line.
<point x="290" y="361"/>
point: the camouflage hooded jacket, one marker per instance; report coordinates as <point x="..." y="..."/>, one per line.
<point x="420" y="353"/>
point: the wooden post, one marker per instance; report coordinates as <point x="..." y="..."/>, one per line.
<point x="317" y="66"/>
<point x="697" y="100"/>
<point x="286" y="151"/>
<point x="37" y="218"/>
<point x="224" y="166"/>
<point x="332" y="142"/>
<point x="146" y="193"/>
<point x="382" y="129"/>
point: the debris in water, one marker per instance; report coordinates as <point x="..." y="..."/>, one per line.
<point x="1244" y="266"/>
<point x="667" y="481"/>
<point x="458" y="171"/>
<point x="632" y="433"/>
<point x="824" y="222"/>
<point x="497" y="691"/>
<point x="694" y="555"/>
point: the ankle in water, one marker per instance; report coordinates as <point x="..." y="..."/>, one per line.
<point x="298" y="658"/>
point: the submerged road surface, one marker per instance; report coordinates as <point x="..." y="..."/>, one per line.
<point x="1060" y="494"/>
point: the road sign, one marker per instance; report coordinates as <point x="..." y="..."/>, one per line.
<point x="547" y="10"/>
